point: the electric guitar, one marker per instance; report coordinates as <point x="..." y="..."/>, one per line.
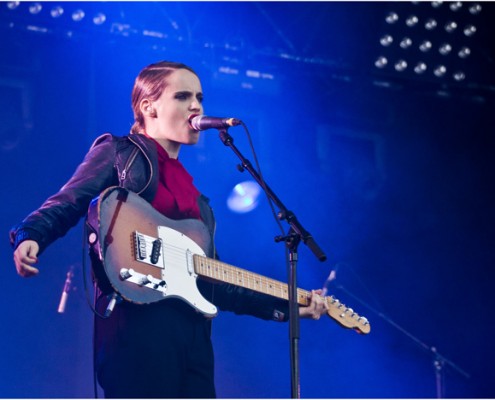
<point x="146" y="257"/>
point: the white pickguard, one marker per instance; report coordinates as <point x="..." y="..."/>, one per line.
<point x="179" y="269"/>
<point x="176" y="268"/>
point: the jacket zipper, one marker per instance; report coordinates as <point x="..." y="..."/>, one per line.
<point x="131" y="159"/>
<point x="127" y="165"/>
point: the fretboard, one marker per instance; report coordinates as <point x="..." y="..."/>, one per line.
<point x="222" y="272"/>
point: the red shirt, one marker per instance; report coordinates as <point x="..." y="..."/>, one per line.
<point x="176" y="197"/>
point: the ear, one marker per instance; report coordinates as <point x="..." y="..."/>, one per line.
<point x="147" y="109"/>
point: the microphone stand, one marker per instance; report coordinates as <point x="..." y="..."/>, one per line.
<point x="295" y="234"/>
<point x="439" y="361"/>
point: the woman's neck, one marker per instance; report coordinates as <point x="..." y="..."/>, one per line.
<point x="172" y="148"/>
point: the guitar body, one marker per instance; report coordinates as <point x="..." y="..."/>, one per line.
<point x="145" y="256"/>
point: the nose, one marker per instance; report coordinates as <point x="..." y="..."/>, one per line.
<point x="196" y="105"/>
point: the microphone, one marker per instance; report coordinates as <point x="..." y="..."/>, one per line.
<point x="202" y="122"/>
<point x="66" y="290"/>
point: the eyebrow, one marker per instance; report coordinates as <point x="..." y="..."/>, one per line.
<point x="188" y="92"/>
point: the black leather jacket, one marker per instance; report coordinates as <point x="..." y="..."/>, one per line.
<point x="131" y="162"/>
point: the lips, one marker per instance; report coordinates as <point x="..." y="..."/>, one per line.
<point x="190" y="119"/>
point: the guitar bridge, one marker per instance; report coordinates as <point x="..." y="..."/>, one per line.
<point x="148" y="249"/>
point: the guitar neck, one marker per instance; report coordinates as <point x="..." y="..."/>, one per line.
<point x="222" y="272"/>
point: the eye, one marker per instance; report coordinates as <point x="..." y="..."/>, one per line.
<point x="182" y="96"/>
<point x="200" y="98"/>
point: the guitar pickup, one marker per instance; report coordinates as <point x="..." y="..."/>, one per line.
<point x="148" y="249"/>
<point x="155" y="250"/>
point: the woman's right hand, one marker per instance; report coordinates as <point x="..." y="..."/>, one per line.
<point x="25" y="256"/>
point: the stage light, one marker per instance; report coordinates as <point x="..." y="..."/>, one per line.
<point x="475" y="9"/>
<point x="12" y="5"/>
<point x="440" y="71"/>
<point x="464" y="52"/>
<point x="386" y="40"/>
<point x="412" y="21"/>
<point x="406" y="43"/>
<point x="445" y="49"/>
<point x="469" y="30"/>
<point x="431" y="24"/>
<point x="420" y="68"/>
<point x="35" y="8"/>
<point x="447" y="28"/>
<point x="425" y="46"/>
<point x="381" y="62"/>
<point x="56" y="11"/>
<point x="78" y="15"/>
<point x="99" y="19"/>
<point x="392" y="18"/>
<point x="244" y="197"/>
<point x="451" y="26"/>
<point x="459" y="76"/>
<point x="400" y="65"/>
<point x="456" y="6"/>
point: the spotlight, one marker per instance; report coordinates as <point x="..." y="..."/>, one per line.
<point x="456" y="6"/>
<point x="445" y="49"/>
<point x="470" y="30"/>
<point x="392" y="18"/>
<point x="425" y="46"/>
<point x="459" y="76"/>
<point x="381" y="62"/>
<point x="78" y="15"/>
<point x="12" y="5"/>
<point x="440" y="71"/>
<point x="438" y="46"/>
<point x="386" y="40"/>
<point x="400" y="65"/>
<point x="406" y="43"/>
<point x="99" y="19"/>
<point x="451" y="26"/>
<point x="430" y="24"/>
<point x="464" y="52"/>
<point x="56" y="12"/>
<point x="35" y="8"/>
<point x="420" y="68"/>
<point x="244" y="197"/>
<point x="475" y="9"/>
<point x="412" y="21"/>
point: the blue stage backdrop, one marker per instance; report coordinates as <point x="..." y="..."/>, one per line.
<point x="372" y="123"/>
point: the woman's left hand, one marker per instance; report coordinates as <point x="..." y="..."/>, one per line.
<point x="317" y="306"/>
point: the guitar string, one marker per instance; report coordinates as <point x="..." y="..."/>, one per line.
<point x="241" y="277"/>
<point x="231" y="274"/>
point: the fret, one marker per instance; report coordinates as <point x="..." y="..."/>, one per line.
<point x="223" y="272"/>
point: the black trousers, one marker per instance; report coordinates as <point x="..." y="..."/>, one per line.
<point x="162" y="350"/>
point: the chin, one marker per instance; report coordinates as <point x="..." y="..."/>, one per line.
<point x="193" y="138"/>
